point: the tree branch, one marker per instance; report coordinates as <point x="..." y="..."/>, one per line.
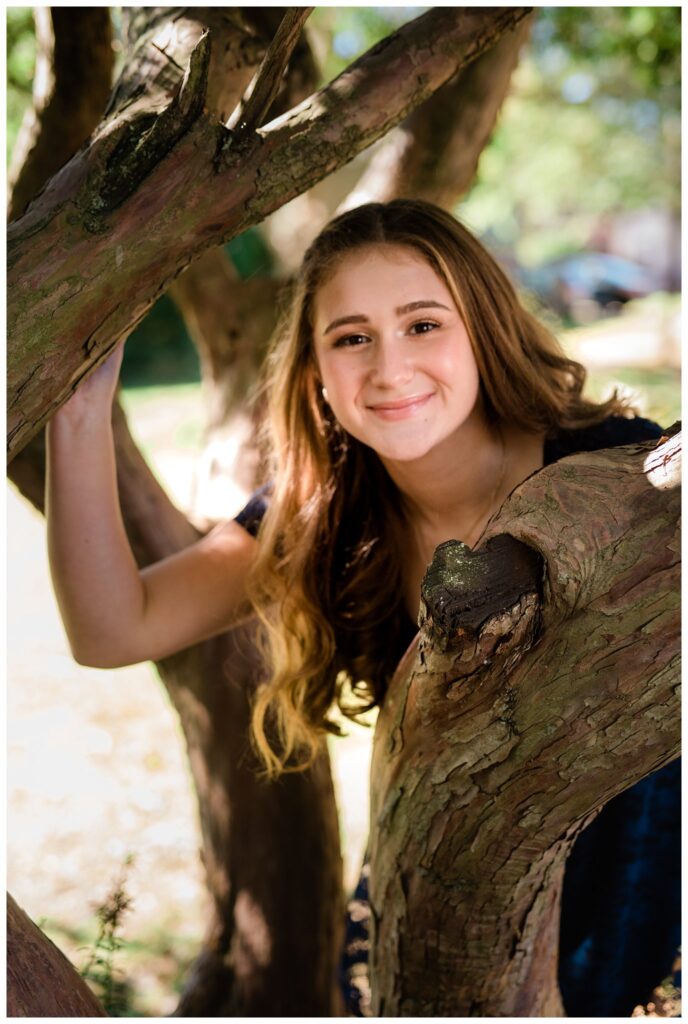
<point x="435" y="152"/>
<point x="70" y="268"/>
<point x="270" y="75"/>
<point x="72" y="62"/>
<point x="159" y="41"/>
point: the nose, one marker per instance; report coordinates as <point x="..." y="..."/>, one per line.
<point x="391" y="365"/>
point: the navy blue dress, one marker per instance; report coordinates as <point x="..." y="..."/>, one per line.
<point x="621" y="902"/>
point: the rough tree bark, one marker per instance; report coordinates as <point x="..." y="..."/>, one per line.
<point x="41" y="982"/>
<point x="111" y="223"/>
<point x="526" y="702"/>
<point x="271" y="945"/>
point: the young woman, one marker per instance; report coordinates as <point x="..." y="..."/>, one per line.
<point x="408" y="394"/>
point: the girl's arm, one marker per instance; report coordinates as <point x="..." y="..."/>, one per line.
<point x="113" y="613"/>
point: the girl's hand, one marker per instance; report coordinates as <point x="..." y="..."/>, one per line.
<point x="97" y="392"/>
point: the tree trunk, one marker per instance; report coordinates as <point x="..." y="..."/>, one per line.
<point x="41" y="982"/>
<point x="115" y="209"/>
<point x="544" y="681"/>
<point x="271" y="851"/>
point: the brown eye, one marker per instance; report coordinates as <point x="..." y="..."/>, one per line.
<point x="350" y="341"/>
<point x="423" y="326"/>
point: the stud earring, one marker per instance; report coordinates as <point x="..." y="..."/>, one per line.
<point x="325" y="395"/>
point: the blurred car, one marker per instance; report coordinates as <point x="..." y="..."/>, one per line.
<point x="588" y="285"/>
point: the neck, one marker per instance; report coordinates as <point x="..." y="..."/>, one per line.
<point x="451" y="487"/>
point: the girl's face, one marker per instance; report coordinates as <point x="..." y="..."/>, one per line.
<point x="393" y="352"/>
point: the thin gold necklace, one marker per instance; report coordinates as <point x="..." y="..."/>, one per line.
<point x="489" y="508"/>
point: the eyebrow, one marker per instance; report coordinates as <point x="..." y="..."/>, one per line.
<point x="360" y="318"/>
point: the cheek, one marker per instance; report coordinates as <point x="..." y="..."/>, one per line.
<point x="460" y="368"/>
<point x="338" y="378"/>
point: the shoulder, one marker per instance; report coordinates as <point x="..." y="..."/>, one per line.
<point x="610" y="433"/>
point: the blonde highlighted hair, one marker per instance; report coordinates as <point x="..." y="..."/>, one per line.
<point x="327" y="581"/>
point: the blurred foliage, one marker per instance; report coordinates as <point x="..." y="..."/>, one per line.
<point x="251" y="254"/>
<point x="592" y="126"/>
<point x="153" y="966"/>
<point x="100" y="971"/>
<point x="632" y="50"/>
<point x="21" y="53"/>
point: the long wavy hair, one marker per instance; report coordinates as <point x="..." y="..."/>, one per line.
<point x="327" y="584"/>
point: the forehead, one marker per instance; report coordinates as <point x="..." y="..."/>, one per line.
<point x="377" y="277"/>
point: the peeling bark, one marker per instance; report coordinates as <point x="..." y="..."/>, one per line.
<point x="41" y="982"/>
<point x="80" y="249"/>
<point x="512" y="721"/>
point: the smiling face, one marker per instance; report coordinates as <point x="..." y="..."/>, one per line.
<point x="393" y="352"/>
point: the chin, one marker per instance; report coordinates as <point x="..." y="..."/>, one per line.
<point x="409" y="452"/>
<point x="397" y="444"/>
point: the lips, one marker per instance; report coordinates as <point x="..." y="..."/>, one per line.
<point x="401" y="408"/>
